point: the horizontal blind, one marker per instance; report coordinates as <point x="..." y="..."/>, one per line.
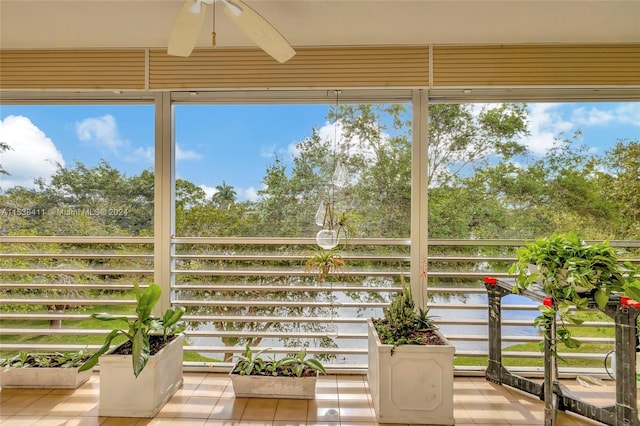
<point x="347" y="67"/>
<point x="536" y="65"/>
<point x="98" y="69"/>
<point x="309" y="68"/>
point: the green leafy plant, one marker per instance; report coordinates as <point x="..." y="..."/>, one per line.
<point x="140" y="330"/>
<point x="46" y="360"/>
<point x="403" y="325"/>
<point x="345" y="224"/>
<point x="297" y="365"/>
<point x="571" y="271"/>
<point x="324" y="262"/>
<point x="249" y="363"/>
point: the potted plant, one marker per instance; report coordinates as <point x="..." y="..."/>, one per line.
<point x="293" y="376"/>
<point x="58" y="370"/>
<point x="410" y="365"/>
<point x="324" y="262"/>
<point x="140" y="375"/>
<point x="572" y="272"/>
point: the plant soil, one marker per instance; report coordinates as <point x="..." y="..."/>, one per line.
<point x="423" y="336"/>
<point x="282" y="372"/>
<point x="52" y="361"/>
<point x="156" y="343"/>
<point x="428" y="337"/>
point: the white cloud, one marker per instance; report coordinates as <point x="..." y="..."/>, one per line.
<point x="32" y="154"/>
<point x="186" y="155"/>
<point x="628" y="113"/>
<point x="591" y="117"/>
<point x="209" y="191"/>
<point x="545" y="124"/>
<point x="334" y="133"/>
<point x="101" y="131"/>
<point x="249" y="194"/>
<point x="145" y="154"/>
<point x="624" y="113"/>
<point x="293" y="150"/>
<point x="268" y="152"/>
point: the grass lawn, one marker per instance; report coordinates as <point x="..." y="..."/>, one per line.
<point x="577" y="332"/>
<point x="89" y="324"/>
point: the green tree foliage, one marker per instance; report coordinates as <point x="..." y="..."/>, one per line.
<point x="618" y="178"/>
<point x="189" y="195"/>
<point x="462" y="140"/>
<point x="4" y="147"/>
<point x="224" y="197"/>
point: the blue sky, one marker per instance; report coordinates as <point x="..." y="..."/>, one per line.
<point x="234" y="143"/>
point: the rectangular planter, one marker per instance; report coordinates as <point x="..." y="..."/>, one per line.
<point x="124" y="395"/>
<point x="43" y="378"/>
<point x="274" y="386"/>
<point x="412" y="386"/>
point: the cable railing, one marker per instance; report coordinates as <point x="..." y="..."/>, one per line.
<point x="258" y="291"/>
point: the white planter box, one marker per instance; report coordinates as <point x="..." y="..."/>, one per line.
<point x="124" y="395"/>
<point x="274" y="386"/>
<point x="43" y="378"/>
<point x="412" y="386"/>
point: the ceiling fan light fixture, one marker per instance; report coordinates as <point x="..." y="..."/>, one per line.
<point x="196" y="7"/>
<point x="233" y="8"/>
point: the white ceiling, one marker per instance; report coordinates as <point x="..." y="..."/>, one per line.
<point x="147" y="23"/>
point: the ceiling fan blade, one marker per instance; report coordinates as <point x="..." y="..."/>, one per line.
<point x="186" y="29"/>
<point x="259" y="30"/>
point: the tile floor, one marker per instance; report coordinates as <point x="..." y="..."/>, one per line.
<point x="208" y="399"/>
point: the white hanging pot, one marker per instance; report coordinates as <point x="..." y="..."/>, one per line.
<point x="327" y="238"/>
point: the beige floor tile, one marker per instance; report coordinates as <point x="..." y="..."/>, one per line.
<point x="173" y="407"/>
<point x="196" y="407"/>
<point x="47" y="404"/>
<point x="172" y="422"/>
<point x="215" y="387"/>
<point x="353" y="392"/>
<point x="260" y="409"/>
<point x="216" y="422"/>
<point x="356" y="411"/>
<point x="20" y="420"/>
<point x="323" y="411"/>
<point x="36" y="391"/>
<point x="67" y="421"/>
<point x="228" y="409"/>
<point x="294" y="410"/>
<point x="343" y="400"/>
<point x="323" y="423"/>
<point x="120" y="421"/>
<point x="460" y="414"/>
<point x="18" y="403"/>
<point x="6" y="394"/>
<point x="484" y="413"/>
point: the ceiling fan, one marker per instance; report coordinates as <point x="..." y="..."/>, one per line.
<point x="190" y="20"/>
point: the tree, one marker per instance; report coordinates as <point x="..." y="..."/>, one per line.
<point x="97" y="200"/>
<point x="189" y="195"/>
<point x="225" y="196"/>
<point x="462" y="140"/>
<point x="619" y="179"/>
<point x="375" y="146"/>
<point x="4" y="147"/>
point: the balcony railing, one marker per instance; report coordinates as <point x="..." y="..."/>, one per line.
<point x="258" y="291"/>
